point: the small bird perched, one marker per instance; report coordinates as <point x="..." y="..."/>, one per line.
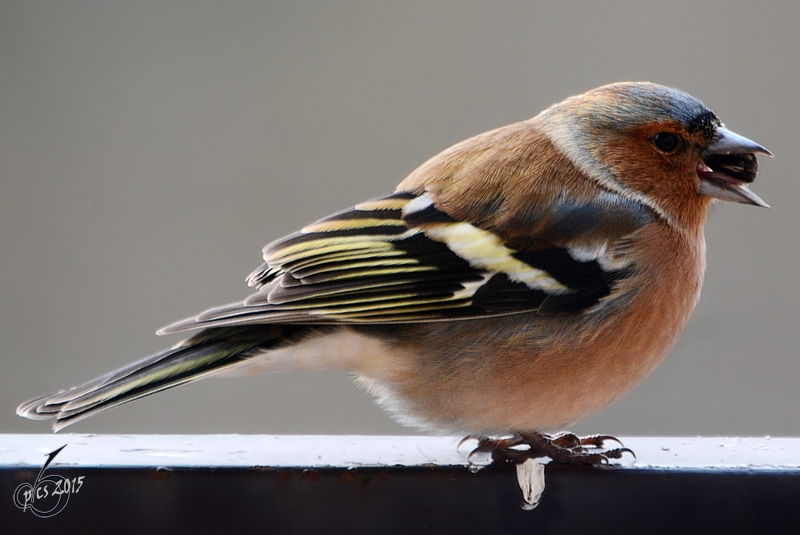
<point x="513" y="284"/>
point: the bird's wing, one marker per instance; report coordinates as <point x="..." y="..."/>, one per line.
<point x="400" y="258"/>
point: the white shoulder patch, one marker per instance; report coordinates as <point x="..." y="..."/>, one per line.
<point x="417" y="205"/>
<point x="587" y="254"/>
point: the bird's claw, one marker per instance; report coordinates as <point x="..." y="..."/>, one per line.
<point x="565" y="448"/>
<point x="572" y="441"/>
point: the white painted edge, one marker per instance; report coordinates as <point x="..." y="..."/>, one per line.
<point x="318" y="451"/>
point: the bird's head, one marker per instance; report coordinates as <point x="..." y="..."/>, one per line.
<point x="656" y="145"/>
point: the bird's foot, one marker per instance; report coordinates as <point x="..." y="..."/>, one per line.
<point x="564" y="448"/>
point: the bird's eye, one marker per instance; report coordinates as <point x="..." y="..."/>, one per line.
<point x="665" y="141"/>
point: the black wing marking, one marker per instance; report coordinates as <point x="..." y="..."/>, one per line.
<point x="398" y="259"/>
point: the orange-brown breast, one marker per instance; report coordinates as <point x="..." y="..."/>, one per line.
<point x="530" y="372"/>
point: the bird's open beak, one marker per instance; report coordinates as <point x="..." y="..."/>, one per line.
<point x="729" y="164"/>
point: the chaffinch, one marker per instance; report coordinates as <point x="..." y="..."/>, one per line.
<point x="513" y="284"/>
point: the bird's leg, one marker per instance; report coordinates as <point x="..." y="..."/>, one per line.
<point x="564" y="448"/>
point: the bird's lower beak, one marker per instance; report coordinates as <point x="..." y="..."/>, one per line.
<point x="729" y="164"/>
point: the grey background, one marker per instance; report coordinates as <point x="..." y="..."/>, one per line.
<point x="149" y="150"/>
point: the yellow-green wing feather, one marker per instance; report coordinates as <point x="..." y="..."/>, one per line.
<point x="399" y="258"/>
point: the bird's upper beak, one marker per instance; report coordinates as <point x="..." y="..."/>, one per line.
<point x="729" y="164"/>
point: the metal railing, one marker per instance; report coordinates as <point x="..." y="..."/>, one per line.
<point x="386" y="484"/>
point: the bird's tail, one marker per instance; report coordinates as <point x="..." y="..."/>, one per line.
<point x="208" y="352"/>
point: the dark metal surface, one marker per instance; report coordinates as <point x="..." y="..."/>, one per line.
<point x="410" y="500"/>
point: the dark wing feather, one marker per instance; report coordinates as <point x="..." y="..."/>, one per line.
<point x="399" y="259"/>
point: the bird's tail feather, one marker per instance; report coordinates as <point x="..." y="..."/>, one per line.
<point x="208" y="352"/>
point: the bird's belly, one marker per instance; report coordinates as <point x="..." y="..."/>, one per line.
<point x="489" y="384"/>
